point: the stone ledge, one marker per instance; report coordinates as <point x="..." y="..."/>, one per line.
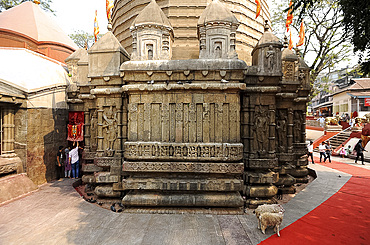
<point x="183" y="199"/>
<point x="183" y="151"/>
<point x="9" y="165"/>
<point x="184" y="167"/>
<point x="14" y="186"/>
<point x="211" y="184"/>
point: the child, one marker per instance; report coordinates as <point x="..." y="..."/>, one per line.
<point x="342" y="151"/>
<point x="348" y="150"/>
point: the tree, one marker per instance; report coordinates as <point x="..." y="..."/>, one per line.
<point x="83" y="39"/>
<point x="356" y="20"/>
<point x="7" y="4"/>
<point x="325" y="44"/>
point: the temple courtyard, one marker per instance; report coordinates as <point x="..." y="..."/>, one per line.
<point x="333" y="209"/>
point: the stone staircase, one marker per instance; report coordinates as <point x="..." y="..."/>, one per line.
<point x="338" y="139"/>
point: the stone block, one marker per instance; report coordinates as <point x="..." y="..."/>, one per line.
<point x="106" y="191"/>
<point x="107" y="161"/>
<point x="14" y="186"/>
<point x="184" y="167"/>
<point x="105" y="177"/>
<point x="262" y="178"/>
<point x="90" y="179"/>
<point x="286" y="180"/>
<point x="90" y="168"/>
<point x="262" y="163"/>
<point x="183" y="199"/>
<point x="173" y="184"/>
<point x="299" y="172"/>
<point x="261" y="191"/>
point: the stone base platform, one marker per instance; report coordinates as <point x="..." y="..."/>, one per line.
<point x="183" y="199"/>
<point x="188" y="210"/>
<point x="13" y="186"/>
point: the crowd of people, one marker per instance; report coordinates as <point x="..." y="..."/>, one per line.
<point x="326" y="150"/>
<point x="68" y="160"/>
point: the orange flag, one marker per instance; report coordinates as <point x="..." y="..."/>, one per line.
<point x="290" y="42"/>
<point x="289" y="18"/>
<point x="109" y="5"/>
<point x="258" y="8"/>
<point x="301" y="35"/>
<point x="96" y="26"/>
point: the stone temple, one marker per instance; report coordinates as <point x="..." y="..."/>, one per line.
<point x="208" y="133"/>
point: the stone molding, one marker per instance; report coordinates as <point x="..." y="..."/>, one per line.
<point x="186" y="86"/>
<point x="183" y="151"/>
<point x="212" y="184"/>
<point x="184" y="167"/>
<point x="107" y="161"/>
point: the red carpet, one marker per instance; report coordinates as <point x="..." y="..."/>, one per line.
<point x="342" y="219"/>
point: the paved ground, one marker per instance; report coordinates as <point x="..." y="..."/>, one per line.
<point x="56" y="214"/>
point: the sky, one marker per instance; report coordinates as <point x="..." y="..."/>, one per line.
<point x="74" y="15"/>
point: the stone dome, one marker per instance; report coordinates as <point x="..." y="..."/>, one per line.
<point x="268" y="37"/>
<point x="152" y="14"/>
<point x="217" y="12"/>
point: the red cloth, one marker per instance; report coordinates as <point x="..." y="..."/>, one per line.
<point x="75" y="126"/>
<point x="75" y="132"/>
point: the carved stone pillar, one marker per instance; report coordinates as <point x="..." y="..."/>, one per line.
<point x="8" y="131"/>
<point x="100" y="148"/>
<point x="87" y="129"/>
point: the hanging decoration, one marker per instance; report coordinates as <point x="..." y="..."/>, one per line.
<point x="109" y="6"/>
<point x="301" y="35"/>
<point x="96" y="26"/>
<point x="289" y="18"/>
<point x="290" y="42"/>
<point x="258" y="8"/>
<point x="75" y="126"/>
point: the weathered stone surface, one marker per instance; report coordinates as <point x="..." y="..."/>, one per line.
<point x="183" y="199"/>
<point x="164" y="184"/>
<point x="184" y="167"/>
<point x="106" y="177"/>
<point x="106" y="191"/>
<point x="262" y="178"/>
<point x="183" y="151"/>
<point x="9" y="165"/>
<point x="261" y="191"/>
<point x="299" y="172"/>
<point x="107" y="161"/>
<point x="253" y="203"/>
<point x="286" y="180"/>
<point x="15" y="185"/>
<point x="88" y="179"/>
<point x="91" y="168"/>
<point x="88" y="155"/>
<point x="262" y="163"/>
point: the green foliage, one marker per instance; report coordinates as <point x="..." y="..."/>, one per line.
<point x="83" y="39"/>
<point x="7" y="4"/>
<point x="356" y="20"/>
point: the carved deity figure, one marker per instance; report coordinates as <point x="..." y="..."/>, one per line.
<point x="270" y="54"/>
<point x="297" y="126"/>
<point x="110" y="126"/>
<point x="93" y="130"/>
<point x="281" y="128"/>
<point x="261" y="129"/>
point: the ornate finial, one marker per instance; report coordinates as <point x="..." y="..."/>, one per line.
<point x="109" y="27"/>
<point x="36" y="2"/>
<point x="267" y="25"/>
<point x="285" y="44"/>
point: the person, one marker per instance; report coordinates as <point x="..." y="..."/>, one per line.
<point x="59" y="162"/>
<point x="348" y="150"/>
<point x="342" y="151"/>
<point x="322" y="150"/>
<point x="360" y="151"/>
<point x="328" y="150"/>
<point x="321" y="120"/>
<point x="75" y="160"/>
<point x="310" y="151"/>
<point x="67" y="164"/>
